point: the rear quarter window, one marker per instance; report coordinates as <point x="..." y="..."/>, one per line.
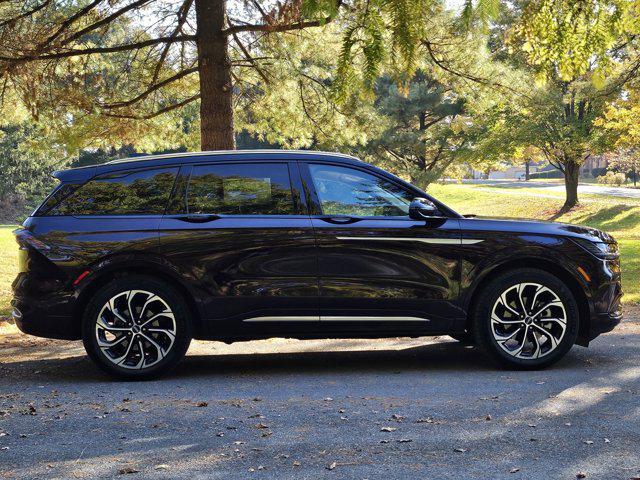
<point x="142" y="192"/>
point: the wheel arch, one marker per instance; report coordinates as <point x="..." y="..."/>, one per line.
<point x="102" y="277"/>
<point x="581" y="298"/>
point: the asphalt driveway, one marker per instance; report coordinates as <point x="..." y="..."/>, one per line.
<point x="397" y="408"/>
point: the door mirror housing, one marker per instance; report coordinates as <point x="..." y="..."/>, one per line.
<point x="422" y="209"/>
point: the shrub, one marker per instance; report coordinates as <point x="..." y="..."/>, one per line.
<point x="612" y="178"/>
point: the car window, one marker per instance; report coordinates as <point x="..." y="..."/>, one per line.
<point x="241" y="189"/>
<point x="347" y="191"/>
<point x="142" y="192"/>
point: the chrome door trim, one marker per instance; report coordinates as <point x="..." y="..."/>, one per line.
<point x="343" y="318"/>
<point x="312" y="318"/>
<point x="431" y="241"/>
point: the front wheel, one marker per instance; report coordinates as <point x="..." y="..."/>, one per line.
<point x="136" y="328"/>
<point x="526" y="319"/>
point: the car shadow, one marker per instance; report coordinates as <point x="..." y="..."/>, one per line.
<point x="442" y="357"/>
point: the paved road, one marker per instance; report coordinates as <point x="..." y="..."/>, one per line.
<point x="398" y="408"/>
<point x="555" y="187"/>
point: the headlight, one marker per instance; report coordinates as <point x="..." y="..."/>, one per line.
<point x="599" y="249"/>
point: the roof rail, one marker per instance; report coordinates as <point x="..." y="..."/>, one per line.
<point x="228" y="152"/>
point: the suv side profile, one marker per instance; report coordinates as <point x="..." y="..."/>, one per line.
<point x="138" y="256"/>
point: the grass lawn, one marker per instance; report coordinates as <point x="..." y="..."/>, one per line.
<point x="8" y="266"/>
<point x="618" y="216"/>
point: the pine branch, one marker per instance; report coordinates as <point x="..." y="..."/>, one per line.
<point x="265" y="27"/>
<point x="17" y="18"/>
<point x="150" y="90"/>
<point x="157" y="112"/>
<point x="90" y="51"/>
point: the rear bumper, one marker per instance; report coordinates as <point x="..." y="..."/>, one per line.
<point x="44" y="309"/>
<point x="40" y="324"/>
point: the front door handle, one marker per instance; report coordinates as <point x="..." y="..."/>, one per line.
<point x="199" y="217"/>
<point x="340" y="219"/>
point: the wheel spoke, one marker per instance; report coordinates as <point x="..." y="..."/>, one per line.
<point x="108" y="344"/>
<point x="505" y="338"/>
<point x="110" y="328"/>
<point x="132" y="314"/>
<point x="519" y="290"/>
<point x="555" y="302"/>
<point x="155" y="344"/>
<point x="123" y="358"/>
<point x="142" y="360"/>
<point x="152" y="298"/>
<point x="548" y="334"/>
<point x="503" y="299"/>
<point x="537" y="351"/>
<point x="524" y="342"/>
<point x="168" y="314"/>
<point x="496" y="318"/>
<point x="168" y="333"/>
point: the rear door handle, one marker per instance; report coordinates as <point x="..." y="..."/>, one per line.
<point x="199" y="217"/>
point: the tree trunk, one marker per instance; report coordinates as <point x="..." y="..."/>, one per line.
<point x="216" y="88"/>
<point x="526" y="170"/>
<point x="571" y="173"/>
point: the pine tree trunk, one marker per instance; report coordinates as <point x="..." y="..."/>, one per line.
<point x="571" y="173"/>
<point x="216" y="88"/>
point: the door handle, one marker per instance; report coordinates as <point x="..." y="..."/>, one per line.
<point x="340" y="219"/>
<point x="199" y="217"/>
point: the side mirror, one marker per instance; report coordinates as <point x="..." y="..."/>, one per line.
<point x="422" y="209"/>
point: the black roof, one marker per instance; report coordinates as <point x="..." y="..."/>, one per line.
<point x="84" y="173"/>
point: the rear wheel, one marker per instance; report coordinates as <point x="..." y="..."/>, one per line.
<point x="136" y="328"/>
<point x="526" y="319"/>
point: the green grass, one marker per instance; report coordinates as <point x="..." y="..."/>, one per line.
<point x="8" y="266"/>
<point x="620" y="217"/>
<point x="617" y="216"/>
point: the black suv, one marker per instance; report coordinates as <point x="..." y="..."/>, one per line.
<point x="136" y="257"/>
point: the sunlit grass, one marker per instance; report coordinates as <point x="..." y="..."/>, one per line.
<point x="8" y="266"/>
<point x="617" y="216"/>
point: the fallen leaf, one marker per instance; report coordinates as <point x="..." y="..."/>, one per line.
<point x="162" y="466"/>
<point x="581" y="475"/>
<point x="332" y="465"/>
<point x="261" y="425"/>
<point x="459" y="450"/>
<point x="202" y="404"/>
<point x="589" y="442"/>
<point x="388" y="429"/>
<point x="404" y="440"/>
<point x="127" y="470"/>
<point x="296" y="463"/>
<point x="514" y="470"/>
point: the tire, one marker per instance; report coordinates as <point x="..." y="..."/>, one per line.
<point x="465" y="338"/>
<point x="146" y="347"/>
<point x="514" y="339"/>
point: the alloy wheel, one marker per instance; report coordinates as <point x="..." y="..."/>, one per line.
<point x="528" y="320"/>
<point x="135" y="329"/>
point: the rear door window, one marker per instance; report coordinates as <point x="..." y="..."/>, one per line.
<point x="142" y="192"/>
<point x="241" y="189"/>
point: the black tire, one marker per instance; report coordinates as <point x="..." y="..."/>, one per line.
<point x="465" y="338"/>
<point x="179" y="325"/>
<point x="483" y="325"/>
